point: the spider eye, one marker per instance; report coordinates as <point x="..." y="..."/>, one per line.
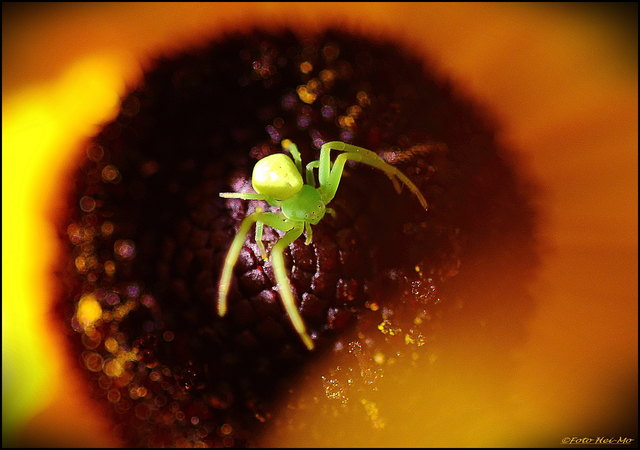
<point x="276" y="176"/>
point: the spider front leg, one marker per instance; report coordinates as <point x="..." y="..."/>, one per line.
<point x="250" y="196"/>
<point x="325" y="169"/>
<point x="284" y="286"/>
<point x="293" y="149"/>
<point x="273" y="220"/>
<point x="243" y="195"/>
<point x="311" y="179"/>
<point x="330" y="176"/>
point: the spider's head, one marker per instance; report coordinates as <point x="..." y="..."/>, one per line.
<point x="307" y="206"/>
<point x="276" y="176"/>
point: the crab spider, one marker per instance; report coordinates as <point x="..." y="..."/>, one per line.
<point x="278" y="181"/>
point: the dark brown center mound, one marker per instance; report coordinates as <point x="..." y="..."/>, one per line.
<point x="146" y="232"/>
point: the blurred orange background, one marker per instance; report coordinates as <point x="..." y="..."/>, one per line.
<point x="561" y="79"/>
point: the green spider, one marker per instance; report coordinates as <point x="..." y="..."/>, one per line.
<point x="278" y="181"/>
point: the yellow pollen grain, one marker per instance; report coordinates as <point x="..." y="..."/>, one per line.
<point x="106" y="228"/>
<point x="124" y="356"/>
<point x="306" y="95"/>
<point x="89" y="310"/>
<point x="111" y="345"/>
<point x="75" y="233"/>
<point x="81" y="264"/>
<point x="354" y="110"/>
<point x="363" y="98"/>
<point x="386" y="328"/>
<point x="327" y="76"/>
<point x="372" y="411"/>
<point x="93" y="362"/>
<point x="91" y="338"/>
<point x="109" y="173"/>
<point x="306" y="67"/>
<point x="110" y="268"/>
<point x="113" y="368"/>
<point x="346" y="121"/>
<point x="125" y="309"/>
<point x="133" y="393"/>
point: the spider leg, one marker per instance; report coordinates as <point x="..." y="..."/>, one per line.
<point x="332" y="180"/>
<point x="293" y="149"/>
<point x="324" y="163"/>
<point x="243" y="195"/>
<point x="284" y="287"/>
<point x="250" y="196"/>
<point x="311" y="179"/>
<point x="273" y="220"/>
<point x="308" y="232"/>
<point x="325" y="160"/>
<point x="263" y="252"/>
<point x="344" y="147"/>
<point x="396" y="184"/>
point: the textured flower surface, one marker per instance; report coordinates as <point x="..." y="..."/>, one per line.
<point x="146" y="230"/>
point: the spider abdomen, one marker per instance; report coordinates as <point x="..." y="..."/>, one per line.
<point x="276" y="176"/>
<point x="305" y="206"/>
